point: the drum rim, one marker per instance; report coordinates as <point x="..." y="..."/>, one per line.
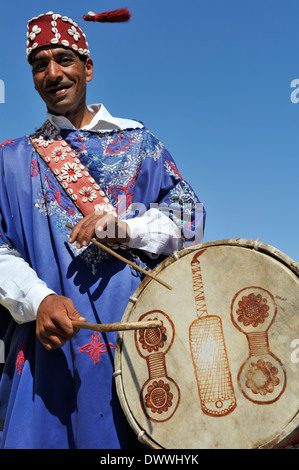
<point x="256" y="245"/>
<point x="284" y="434"/>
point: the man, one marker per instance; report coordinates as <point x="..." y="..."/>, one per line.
<point x="108" y="178"/>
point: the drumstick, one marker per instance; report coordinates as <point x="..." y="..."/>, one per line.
<point x="112" y="252"/>
<point x="106" y="327"/>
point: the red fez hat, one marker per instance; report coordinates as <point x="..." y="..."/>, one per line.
<point x="55" y="30"/>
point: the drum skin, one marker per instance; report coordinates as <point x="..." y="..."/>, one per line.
<point x="222" y="371"/>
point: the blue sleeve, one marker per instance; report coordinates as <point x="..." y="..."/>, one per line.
<point x="4" y="240"/>
<point x="160" y="185"/>
<point x="4" y="206"/>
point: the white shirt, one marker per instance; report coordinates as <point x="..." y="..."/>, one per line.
<point x="21" y="291"/>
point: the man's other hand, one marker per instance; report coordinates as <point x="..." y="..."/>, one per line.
<point x="106" y="227"/>
<point x="53" y="321"/>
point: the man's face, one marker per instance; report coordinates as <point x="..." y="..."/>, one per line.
<point x="60" y="78"/>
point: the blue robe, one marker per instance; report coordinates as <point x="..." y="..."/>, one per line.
<point x="66" y="399"/>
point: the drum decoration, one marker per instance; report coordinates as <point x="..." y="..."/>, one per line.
<point x="218" y="372"/>
<point x="159" y="394"/>
<point x="262" y="377"/>
<point x="209" y="353"/>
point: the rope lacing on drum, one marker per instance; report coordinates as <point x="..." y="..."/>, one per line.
<point x="140" y="436"/>
<point x="137" y="261"/>
<point x="116" y="373"/>
<point x="295" y="267"/>
<point x="256" y="244"/>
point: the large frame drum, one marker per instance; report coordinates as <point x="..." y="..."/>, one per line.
<point x="222" y="371"/>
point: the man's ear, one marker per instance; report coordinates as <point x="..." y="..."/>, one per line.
<point x="89" y="69"/>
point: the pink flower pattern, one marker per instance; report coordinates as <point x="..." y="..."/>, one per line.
<point x="20" y="360"/>
<point x="95" y="348"/>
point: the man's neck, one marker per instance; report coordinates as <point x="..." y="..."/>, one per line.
<point x="80" y="118"/>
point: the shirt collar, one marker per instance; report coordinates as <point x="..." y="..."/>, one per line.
<point x="102" y="121"/>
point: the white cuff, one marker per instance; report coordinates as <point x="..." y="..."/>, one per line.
<point x="23" y="305"/>
<point x="154" y="233"/>
<point x="139" y="232"/>
<point x="33" y="299"/>
<point x="21" y="291"/>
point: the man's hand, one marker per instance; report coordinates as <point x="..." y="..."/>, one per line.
<point x="53" y="321"/>
<point x="106" y="227"/>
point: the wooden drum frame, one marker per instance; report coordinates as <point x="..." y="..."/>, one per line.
<point x="221" y="372"/>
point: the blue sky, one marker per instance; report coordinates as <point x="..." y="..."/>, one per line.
<point x="212" y="79"/>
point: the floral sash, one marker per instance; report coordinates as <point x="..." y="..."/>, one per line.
<point x="69" y="171"/>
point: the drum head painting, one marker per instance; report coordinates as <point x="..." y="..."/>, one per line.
<point x="220" y="371"/>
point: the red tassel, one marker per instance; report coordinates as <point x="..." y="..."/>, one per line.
<point x="115" y="16"/>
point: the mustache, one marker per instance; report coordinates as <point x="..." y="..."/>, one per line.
<point x="56" y="86"/>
